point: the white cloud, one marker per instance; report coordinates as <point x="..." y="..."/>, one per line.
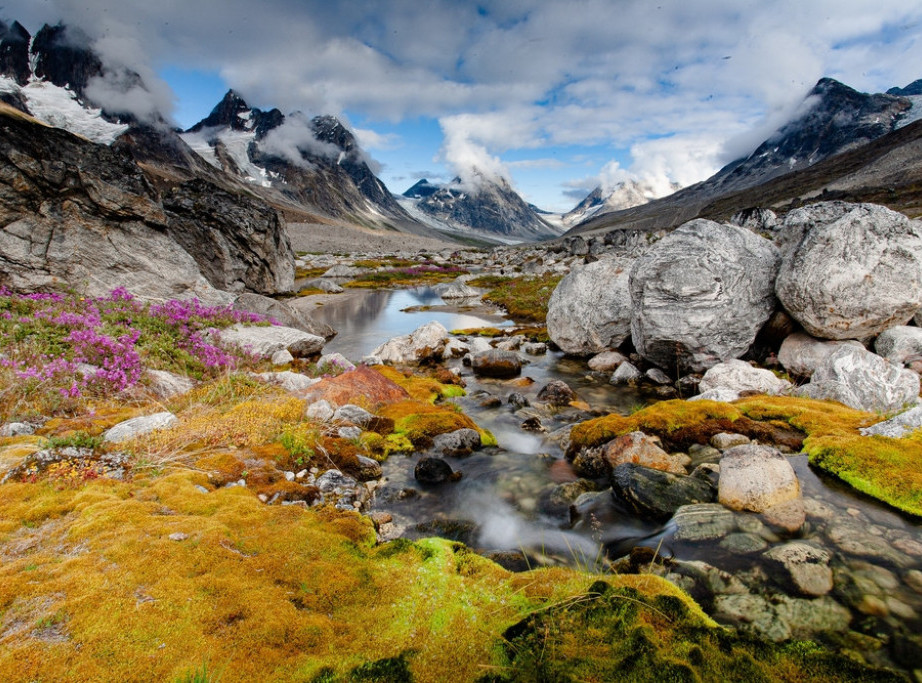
<point x="294" y="138"/>
<point x="672" y="80"/>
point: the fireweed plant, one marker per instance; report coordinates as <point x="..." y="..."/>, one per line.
<point x="74" y="347"/>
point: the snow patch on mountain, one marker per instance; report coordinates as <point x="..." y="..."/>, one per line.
<point x="913" y="114"/>
<point x="60" y="108"/>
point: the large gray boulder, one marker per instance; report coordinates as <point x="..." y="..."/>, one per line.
<point x="850" y="271"/>
<point x="701" y="294"/>
<point x="862" y="380"/>
<point x="590" y="310"/>
<point x="282" y="313"/>
<point x="800" y="354"/>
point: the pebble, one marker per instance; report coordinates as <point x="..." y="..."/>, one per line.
<point x="178" y="536"/>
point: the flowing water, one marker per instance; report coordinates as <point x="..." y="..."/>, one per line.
<point x="499" y="503"/>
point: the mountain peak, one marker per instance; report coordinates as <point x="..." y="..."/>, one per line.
<point x="914" y="88"/>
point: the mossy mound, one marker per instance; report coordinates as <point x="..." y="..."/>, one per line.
<point x="421" y="388"/>
<point x="889" y="470"/>
<point x="149" y="579"/>
<point x="619" y="634"/>
<point x="421" y="422"/>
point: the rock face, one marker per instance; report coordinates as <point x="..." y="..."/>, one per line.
<point x="590" y="310"/>
<point x="701" y="294"/>
<point x="282" y="313"/>
<point x="850" y="271"/>
<point x="800" y="354"/>
<point x="737" y="375"/>
<point x="71" y="210"/>
<point x="862" y="380"/>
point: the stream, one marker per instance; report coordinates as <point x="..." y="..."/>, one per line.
<point x="873" y="601"/>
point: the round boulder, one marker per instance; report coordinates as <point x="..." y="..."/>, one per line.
<point x="850" y="270"/>
<point x="800" y="354"/>
<point x="701" y="294"/>
<point x="737" y="375"/>
<point x="756" y="478"/>
<point x="590" y="310"/>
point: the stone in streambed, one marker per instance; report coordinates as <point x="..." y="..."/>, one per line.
<point x="496" y="363"/>
<point x="433" y="471"/>
<point x="655" y="494"/>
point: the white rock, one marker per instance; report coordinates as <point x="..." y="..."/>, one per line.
<point x="282" y="357"/>
<point x="901" y="344"/>
<point x="168" y="384"/>
<point x="138" y="426"/>
<point x="320" y="410"/>
<point x="740" y="376"/>
<point x="266" y="340"/>
<point x="626" y="373"/>
<point x="719" y="395"/>
<point x="288" y="380"/>
<point x="425" y="342"/>
<point x="800" y="354"/>
<point x="862" y="380"/>
<point x="898" y="426"/>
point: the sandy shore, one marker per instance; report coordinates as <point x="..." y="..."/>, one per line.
<point x="317" y="237"/>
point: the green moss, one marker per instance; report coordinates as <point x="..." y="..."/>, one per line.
<point x="623" y="635"/>
<point x="524" y="298"/>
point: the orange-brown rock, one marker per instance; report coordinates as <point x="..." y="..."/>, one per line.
<point x="640" y="449"/>
<point x="362" y="387"/>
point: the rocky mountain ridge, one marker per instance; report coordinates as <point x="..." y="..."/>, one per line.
<point x="834" y="120"/>
<point x="491" y="207"/>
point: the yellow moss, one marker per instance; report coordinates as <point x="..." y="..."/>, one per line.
<point x="14" y="449"/>
<point x="420" y="422"/>
<point x="419" y="387"/>
<point x="95" y="423"/>
<point x="663" y="417"/>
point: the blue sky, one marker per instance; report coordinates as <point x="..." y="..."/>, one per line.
<point x="556" y="97"/>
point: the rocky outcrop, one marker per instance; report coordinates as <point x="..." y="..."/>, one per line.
<point x="862" y="380"/>
<point x="590" y="310"/>
<point x="701" y="294"/>
<point x="78" y="214"/>
<point x="266" y="341"/>
<point x="850" y="271"/>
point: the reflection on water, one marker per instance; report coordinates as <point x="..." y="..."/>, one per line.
<point x="366" y="319"/>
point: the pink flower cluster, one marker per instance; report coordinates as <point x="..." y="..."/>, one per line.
<point x="77" y="344"/>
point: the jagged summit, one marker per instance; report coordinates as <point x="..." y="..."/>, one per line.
<point x="833" y="119"/>
<point x="623" y="195"/>
<point x="233" y="112"/>
<point x="914" y="88"/>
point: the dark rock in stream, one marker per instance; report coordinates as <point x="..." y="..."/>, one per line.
<point x="434" y="471"/>
<point x="655" y="494"/>
<point x="556" y="500"/>
<point x="517" y="400"/>
<point x="557" y="393"/>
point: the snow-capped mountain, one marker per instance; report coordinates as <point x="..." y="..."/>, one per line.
<point x="316" y="161"/>
<point x="310" y="166"/>
<point x="833" y="119"/>
<point x="624" y="195"/>
<point x="491" y="208"/>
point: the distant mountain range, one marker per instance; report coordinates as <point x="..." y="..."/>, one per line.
<point x="490" y="207"/>
<point x="836" y="126"/>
